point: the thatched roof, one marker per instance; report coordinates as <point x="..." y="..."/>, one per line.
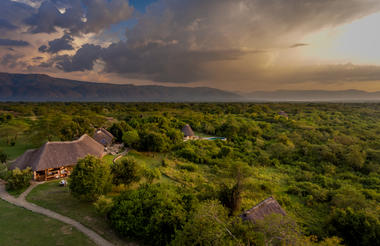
<point x="103" y="136"/>
<point x="261" y="210"/>
<point x="59" y="154"/>
<point x="187" y="131"/>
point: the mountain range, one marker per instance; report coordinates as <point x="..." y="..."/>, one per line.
<point x="39" y="87"/>
<point x="44" y="88"/>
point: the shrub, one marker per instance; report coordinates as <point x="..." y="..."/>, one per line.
<point x="131" y="138"/>
<point x="103" y="205"/>
<point x="90" y="179"/>
<point x="356" y="227"/>
<point x="125" y="172"/>
<point x="207" y="226"/>
<point x="19" y="179"/>
<point x="152" y="213"/>
<point x="189" y="167"/>
<point x="151" y="174"/>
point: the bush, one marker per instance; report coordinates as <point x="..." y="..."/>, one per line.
<point x="208" y="226"/>
<point x="151" y="213"/>
<point x="189" y="167"/>
<point x="103" y="205"/>
<point x="19" y="179"/>
<point x="125" y="172"/>
<point x="90" y="179"/>
<point x="151" y="174"/>
<point x="131" y="138"/>
<point x="356" y="227"/>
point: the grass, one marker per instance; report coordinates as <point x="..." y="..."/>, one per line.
<point x="14" y="151"/>
<point x="56" y="198"/>
<point x="17" y="193"/>
<point x="150" y="159"/>
<point x="20" y="227"/>
<point x="108" y="159"/>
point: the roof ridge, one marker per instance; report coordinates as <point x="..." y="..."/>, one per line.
<point x="68" y="142"/>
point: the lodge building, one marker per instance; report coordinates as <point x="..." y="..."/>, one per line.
<point x="56" y="159"/>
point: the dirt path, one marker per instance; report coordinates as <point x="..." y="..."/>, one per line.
<point x="21" y="202"/>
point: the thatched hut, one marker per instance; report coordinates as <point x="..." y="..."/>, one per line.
<point x="56" y="159"/>
<point x="263" y="209"/>
<point x="103" y="136"/>
<point x="188" y="132"/>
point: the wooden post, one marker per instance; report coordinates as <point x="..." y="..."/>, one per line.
<point x="46" y="172"/>
<point x="34" y="175"/>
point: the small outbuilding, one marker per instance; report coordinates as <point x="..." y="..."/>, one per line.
<point x="103" y="136"/>
<point x="57" y="159"/>
<point x="188" y="132"/>
<point x="260" y="211"/>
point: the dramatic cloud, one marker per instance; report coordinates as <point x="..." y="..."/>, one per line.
<point x="219" y="43"/>
<point x="83" y="60"/>
<point x="4" y="24"/>
<point x="184" y="41"/>
<point x="78" y="16"/>
<point x="13" y="13"/>
<point x="10" y="42"/>
<point x="11" y="60"/>
<point x="56" y="45"/>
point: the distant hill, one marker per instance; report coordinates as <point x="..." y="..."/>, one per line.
<point x="312" y="96"/>
<point x="38" y="87"/>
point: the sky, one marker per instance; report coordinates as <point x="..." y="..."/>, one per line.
<point x="236" y="45"/>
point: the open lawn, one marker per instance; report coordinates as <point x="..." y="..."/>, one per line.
<point x="14" y="151"/>
<point x="56" y="198"/>
<point x="22" y="227"/>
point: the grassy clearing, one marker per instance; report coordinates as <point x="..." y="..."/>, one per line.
<point x="14" y="151"/>
<point x="56" y="198"/>
<point x="108" y="159"/>
<point x="150" y="159"/>
<point x="20" y="227"/>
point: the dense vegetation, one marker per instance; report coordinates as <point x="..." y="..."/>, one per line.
<point x="321" y="163"/>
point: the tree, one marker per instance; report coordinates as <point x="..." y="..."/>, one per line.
<point x="125" y="171"/>
<point x="131" y="138"/>
<point x="154" y="141"/>
<point x="231" y="197"/>
<point x="19" y="179"/>
<point x="152" y="213"/>
<point x="356" y="227"/>
<point x="209" y="225"/>
<point x="90" y="179"/>
<point x="276" y="229"/>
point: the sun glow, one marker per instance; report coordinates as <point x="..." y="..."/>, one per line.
<point x="357" y="42"/>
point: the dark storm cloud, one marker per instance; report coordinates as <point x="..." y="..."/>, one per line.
<point x="56" y="45"/>
<point x="4" y="24"/>
<point x="11" y="42"/>
<point x="84" y="59"/>
<point x="12" y="13"/>
<point x="187" y="41"/>
<point x="80" y="16"/>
